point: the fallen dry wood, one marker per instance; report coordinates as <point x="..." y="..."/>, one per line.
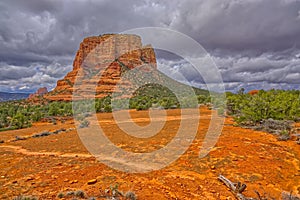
<point x="289" y="196"/>
<point x="236" y="188"/>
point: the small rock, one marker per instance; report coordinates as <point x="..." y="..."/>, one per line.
<point x="29" y="178"/>
<point x="54" y="176"/>
<point x="297" y="174"/>
<point x="92" y="181"/>
<point x="73" y="181"/>
<point x="77" y="167"/>
<point x="256" y="177"/>
<point x="201" y="177"/>
<point x="223" y="197"/>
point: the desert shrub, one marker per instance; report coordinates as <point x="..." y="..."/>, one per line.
<point x="276" y="126"/>
<point x="43" y="134"/>
<point x="70" y="193"/>
<point x="21" y="114"/>
<point x="84" y="123"/>
<point x="284" y="136"/>
<point x="130" y="195"/>
<point x="79" y="193"/>
<point x="21" y="197"/>
<point x="273" y="104"/>
<point x="115" y="191"/>
<point x="60" y="195"/>
<point x="19" y="138"/>
<point x="54" y="121"/>
<point x="221" y="111"/>
<point x="19" y="120"/>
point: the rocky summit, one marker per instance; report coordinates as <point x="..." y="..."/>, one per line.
<point x="39" y="92"/>
<point x="99" y="63"/>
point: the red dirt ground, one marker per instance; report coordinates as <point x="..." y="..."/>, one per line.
<point x="48" y="165"/>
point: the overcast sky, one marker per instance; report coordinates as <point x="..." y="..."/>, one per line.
<point x="255" y="43"/>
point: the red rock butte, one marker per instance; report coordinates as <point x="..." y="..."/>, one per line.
<point x="99" y="63"/>
<point x="39" y="92"/>
<point x="253" y="92"/>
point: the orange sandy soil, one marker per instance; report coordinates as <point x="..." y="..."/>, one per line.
<point x="45" y="166"/>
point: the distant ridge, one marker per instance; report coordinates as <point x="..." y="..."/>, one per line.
<point x="6" y="96"/>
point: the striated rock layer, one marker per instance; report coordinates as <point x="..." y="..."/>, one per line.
<point x="99" y="64"/>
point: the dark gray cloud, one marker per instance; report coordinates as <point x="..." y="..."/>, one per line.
<point x="258" y="26"/>
<point x="255" y="43"/>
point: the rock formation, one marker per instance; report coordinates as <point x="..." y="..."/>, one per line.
<point x="99" y="63"/>
<point x="253" y="92"/>
<point x="39" y="92"/>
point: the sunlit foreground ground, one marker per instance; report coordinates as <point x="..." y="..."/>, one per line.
<point x="45" y="166"/>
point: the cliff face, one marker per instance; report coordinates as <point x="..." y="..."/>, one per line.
<point x="100" y="62"/>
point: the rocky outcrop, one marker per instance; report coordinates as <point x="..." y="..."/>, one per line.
<point x="100" y="62"/>
<point x="40" y="92"/>
<point x="253" y="92"/>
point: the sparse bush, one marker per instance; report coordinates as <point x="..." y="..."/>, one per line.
<point x="43" y="134"/>
<point x="80" y="194"/>
<point x="70" y="193"/>
<point x="21" y="197"/>
<point x="284" y="135"/>
<point x="20" y="138"/>
<point x="87" y="114"/>
<point x="54" y="121"/>
<point x="221" y="111"/>
<point x="60" y="195"/>
<point x="130" y="195"/>
<point x="84" y="123"/>
<point x="276" y="126"/>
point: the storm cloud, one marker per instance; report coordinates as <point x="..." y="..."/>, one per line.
<point x="255" y="43"/>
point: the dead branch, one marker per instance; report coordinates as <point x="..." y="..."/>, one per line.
<point x="236" y="188"/>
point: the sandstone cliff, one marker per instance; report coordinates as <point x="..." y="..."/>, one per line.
<point x="99" y="62"/>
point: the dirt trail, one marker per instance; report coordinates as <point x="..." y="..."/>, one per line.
<point x="21" y="150"/>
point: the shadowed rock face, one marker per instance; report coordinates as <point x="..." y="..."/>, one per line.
<point x="99" y="63"/>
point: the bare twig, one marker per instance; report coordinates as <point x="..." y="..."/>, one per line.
<point x="236" y="188"/>
<point x="257" y="193"/>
